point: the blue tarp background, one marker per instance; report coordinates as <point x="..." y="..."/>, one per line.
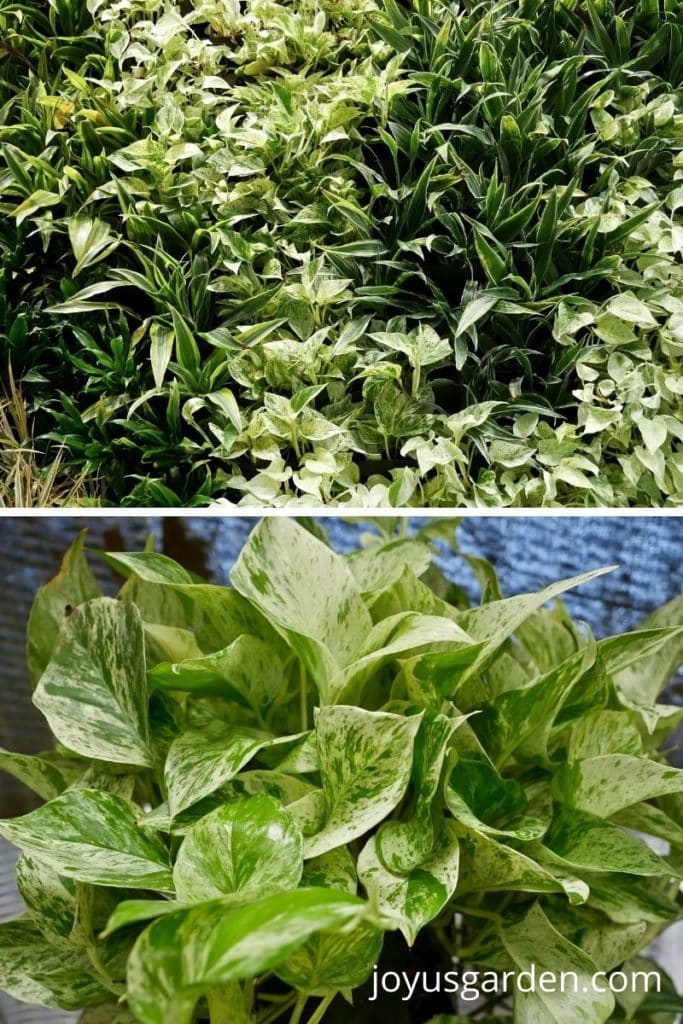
<point x="529" y="552"/>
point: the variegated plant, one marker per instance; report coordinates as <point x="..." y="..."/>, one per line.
<point x="362" y="252"/>
<point x="254" y="786"/>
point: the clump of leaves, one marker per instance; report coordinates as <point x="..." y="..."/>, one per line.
<point x="377" y="253"/>
<point x="254" y="785"/>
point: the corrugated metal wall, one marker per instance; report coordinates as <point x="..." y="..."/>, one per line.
<point x="529" y="552"/>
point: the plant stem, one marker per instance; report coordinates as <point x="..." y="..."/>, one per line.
<point x="298" y="1009"/>
<point x="322" y="1008"/>
<point x="275" y="1012"/>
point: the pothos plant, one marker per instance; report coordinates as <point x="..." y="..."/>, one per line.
<point x="259" y="792"/>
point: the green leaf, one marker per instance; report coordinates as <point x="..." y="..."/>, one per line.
<point x="131" y="912"/>
<point x="476" y="310"/>
<point x="479" y="798"/>
<point x="91" y="241"/>
<point x="534" y="940"/>
<point x="177" y="958"/>
<point x="327" y="624"/>
<point x="249" y="671"/>
<point x="34" y="972"/>
<point x="160" y="351"/>
<point x="417" y="897"/>
<point x="187" y="350"/>
<point x="93" y="691"/>
<point x="93" y="837"/>
<point x="73" y="584"/>
<point x="245" y="849"/>
<point x="365" y="762"/>
<point x="39" y="775"/>
<point x="201" y="761"/>
<point x="585" y="841"/>
<point x="41" y="199"/>
<point x="605" y="785"/>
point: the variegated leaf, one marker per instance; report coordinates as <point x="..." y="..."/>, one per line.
<point x="179" y="957"/>
<point x="242" y="850"/>
<point x="94" y="837"/>
<point x="534" y="940"/>
<point x="605" y="785"/>
<point x="34" y="972"/>
<point x="93" y="692"/>
<point x="200" y="762"/>
<point x="415" y="898"/>
<point x="365" y="763"/>
<point x="73" y="585"/>
<point x="39" y="775"/>
<point x="326" y="623"/>
<point x="249" y="671"/>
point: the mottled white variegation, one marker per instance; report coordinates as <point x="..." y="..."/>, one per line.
<point x="93" y="691"/>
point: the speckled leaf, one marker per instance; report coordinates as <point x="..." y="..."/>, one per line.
<point x="601" y="732"/>
<point x="409" y="594"/>
<point x="242" y="850"/>
<point x="609" y="946"/>
<point x="49" y="898"/>
<point x="93" y="692"/>
<point x="404" y="845"/>
<point x="93" y="837"/>
<point x="408" y="635"/>
<point x="487" y="864"/>
<point x="73" y="584"/>
<point x="248" y="671"/>
<point x="177" y="958"/>
<point x="495" y="621"/>
<point x="365" y="763"/>
<point x="535" y="941"/>
<point x="326" y="623"/>
<point x="528" y="714"/>
<point x="34" y="972"/>
<point x="39" y="775"/>
<point x="333" y="961"/>
<point x="169" y="644"/>
<point x="327" y="963"/>
<point x="644" y="681"/>
<point x="200" y="762"/>
<point x="478" y="797"/>
<point x="605" y="785"/>
<point x="378" y="567"/>
<point x="652" y="822"/>
<point x="218" y="614"/>
<point x="416" y="898"/>
<point x="109" y="1012"/>
<point x="585" y="841"/>
<point x="297" y="754"/>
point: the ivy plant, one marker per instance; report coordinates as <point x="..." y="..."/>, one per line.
<point x="259" y="793"/>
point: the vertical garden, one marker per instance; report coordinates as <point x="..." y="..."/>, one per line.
<point x="341" y="251"/>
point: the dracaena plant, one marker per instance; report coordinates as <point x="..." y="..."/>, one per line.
<point x="260" y="791"/>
